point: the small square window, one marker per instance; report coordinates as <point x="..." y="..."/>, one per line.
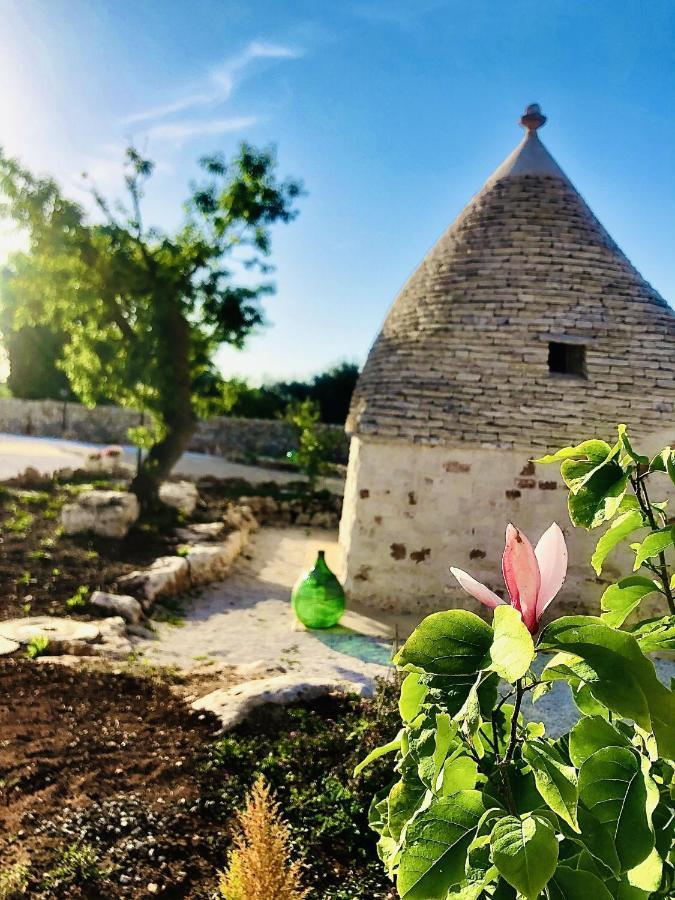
<point x="567" y="359"/>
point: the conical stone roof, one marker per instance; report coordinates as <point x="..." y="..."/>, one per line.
<point x="463" y="355"/>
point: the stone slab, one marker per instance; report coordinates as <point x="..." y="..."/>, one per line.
<point x="232" y="705"/>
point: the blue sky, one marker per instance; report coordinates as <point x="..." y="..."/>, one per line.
<point x="393" y="114"/>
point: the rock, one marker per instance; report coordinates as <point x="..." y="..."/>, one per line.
<point x="181" y="495"/>
<point x="7" y="646"/>
<point x="166" y="577"/>
<point x="114" y="642"/>
<point x="206" y="531"/>
<point x="302" y="519"/>
<point x="322" y="520"/>
<point x="106" y="513"/>
<point x="140" y="631"/>
<point x="232" y="705"/>
<point x="122" y="604"/>
<point x="56" y="630"/>
<point x="257" y="669"/>
<point x="210" y="562"/>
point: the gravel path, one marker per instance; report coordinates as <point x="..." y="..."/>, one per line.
<point x="249" y="618"/>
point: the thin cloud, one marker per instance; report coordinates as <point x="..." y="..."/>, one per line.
<point x="219" y="83"/>
<point x="177" y="132"/>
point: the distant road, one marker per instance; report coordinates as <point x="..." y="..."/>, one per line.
<point x="17" y="452"/>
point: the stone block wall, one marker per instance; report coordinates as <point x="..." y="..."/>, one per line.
<point x="410" y="512"/>
<point x="221" y="435"/>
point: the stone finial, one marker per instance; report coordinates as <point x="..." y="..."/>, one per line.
<point x="533" y="117"/>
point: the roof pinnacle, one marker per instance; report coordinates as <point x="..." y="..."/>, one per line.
<point x="532" y="118"/>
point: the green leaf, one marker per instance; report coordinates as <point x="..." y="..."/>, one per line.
<point x="654" y="635"/>
<point x="454" y="643"/>
<point x="391" y="747"/>
<point x="599" y="499"/>
<point x="617" y="673"/>
<point x="620" y="528"/>
<point x="413" y="693"/>
<point x="628" y="447"/>
<point x="598" y="841"/>
<point x="525" y="851"/>
<point x="591" y="734"/>
<point x="435" y="851"/>
<point x="556" y="782"/>
<point x="653" y="544"/>
<point x="569" y="668"/>
<point x="577" y="473"/>
<point x="670" y="466"/>
<point x="459" y="774"/>
<point x="620" y="599"/>
<point x="405" y="798"/>
<point x="612" y="786"/>
<point x="659" y="463"/>
<point x="593" y="450"/>
<point x="572" y="884"/>
<point x="647" y="876"/>
<point x="512" y="649"/>
<point x="429" y="768"/>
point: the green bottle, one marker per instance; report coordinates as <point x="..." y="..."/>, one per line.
<point x="318" y="599"/>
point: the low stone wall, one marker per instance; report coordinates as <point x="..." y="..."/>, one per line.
<point x="221" y="435"/>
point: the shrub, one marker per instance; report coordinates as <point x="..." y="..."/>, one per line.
<point x="260" y="867"/>
<point x="483" y="805"/>
<point x="316" y="443"/>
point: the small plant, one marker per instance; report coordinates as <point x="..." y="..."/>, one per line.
<point x="38" y="554"/>
<point x="79" y="598"/>
<point x="14" y="882"/>
<point x="24" y="579"/>
<point x="37" y="646"/>
<point x="316" y="443"/>
<point x="78" y="865"/>
<point x="259" y="866"/>
<point x="19" y="521"/>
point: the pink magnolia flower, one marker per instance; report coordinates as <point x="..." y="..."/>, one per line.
<point x="533" y="577"/>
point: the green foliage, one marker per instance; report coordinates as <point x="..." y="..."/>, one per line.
<point x="143" y="312"/>
<point x="483" y="805"/>
<point x="315" y="442"/>
<point x="613" y="485"/>
<point x="14" y="882"/>
<point x="331" y="390"/>
<point x="324" y="805"/>
<point x="37" y="646"/>
<point x="78" y="865"/>
<point x="79" y="598"/>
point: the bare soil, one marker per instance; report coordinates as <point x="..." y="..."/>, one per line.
<point x="41" y="569"/>
<point x="109" y="761"/>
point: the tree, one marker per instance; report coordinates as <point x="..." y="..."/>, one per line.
<point x="144" y="311"/>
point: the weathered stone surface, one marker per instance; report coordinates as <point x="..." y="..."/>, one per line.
<point x="458" y="394"/>
<point x="201" y="531"/>
<point x="106" y="513"/>
<point x="120" y="604"/>
<point x="166" y="577"/>
<point x="114" y="643"/>
<point x="57" y="630"/>
<point x="181" y="495"/>
<point x="7" y="646"/>
<point x="223" y="435"/>
<point x="210" y="562"/>
<point x="232" y="705"/>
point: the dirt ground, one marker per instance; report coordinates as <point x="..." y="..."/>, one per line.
<point x="110" y="761"/>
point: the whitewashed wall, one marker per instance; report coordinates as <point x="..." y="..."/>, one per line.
<point x="410" y="512"/>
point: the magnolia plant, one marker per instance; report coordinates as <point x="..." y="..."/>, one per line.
<point x="486" y="806"/>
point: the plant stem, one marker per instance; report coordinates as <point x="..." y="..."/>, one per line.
<point x="514" y="722"/>
<point x="640" y="489"/>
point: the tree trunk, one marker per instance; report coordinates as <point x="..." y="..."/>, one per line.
<point x="176" y="407"/>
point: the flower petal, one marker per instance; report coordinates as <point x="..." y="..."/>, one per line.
<point x="476" y="589"/>
<point x="521" y="574"/>
<point x="551" y="553"/>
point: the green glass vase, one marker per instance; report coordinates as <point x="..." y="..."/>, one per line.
<point x="318" y="599"/>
